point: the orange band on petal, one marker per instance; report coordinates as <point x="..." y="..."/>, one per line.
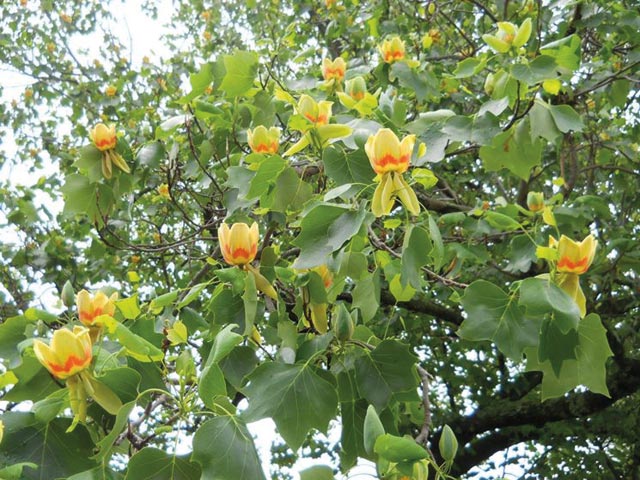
<point x="70" y="364"/>
<point x="565" y="264"/>
<point x="391" y="160"/>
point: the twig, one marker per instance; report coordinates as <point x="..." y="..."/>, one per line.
<point x="423" y="436"/>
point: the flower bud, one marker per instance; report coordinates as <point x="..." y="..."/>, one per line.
<point x="356" y="88"/>
<point x="110" y="91"/>
<point x="535" y="201"/>
<point x="67" y="295"/>
<point x="334" y="70"/>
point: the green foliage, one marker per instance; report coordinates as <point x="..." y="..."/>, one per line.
<point x="414" y="335"/>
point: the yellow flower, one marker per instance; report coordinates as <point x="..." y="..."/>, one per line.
<point x="68" y="354"/>
<point x="317" y="113"/>
<point x="392" y="49"/>
<point x="110" y="91"/>
<point x="574" y="257"/>
<point x="535" y="201"/>
<point x="334" y="70"/>
<point x="387" y="154"/>
<point x="163" y="191"/>
<point x="207" y="35"/>
<point x="105" y="140"/>
<point x="90" y="308"/>
<point x="103" y="137"/>
<point x="509" y="35"/>
<point x="1" y="430"/>
<point x="65" y="18"/>
<point x="390" y="158"/>
<point x="263" y="140"/>
<point x="239" y="244"/>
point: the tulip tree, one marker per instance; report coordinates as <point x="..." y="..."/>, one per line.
<point x="426" y="260"/>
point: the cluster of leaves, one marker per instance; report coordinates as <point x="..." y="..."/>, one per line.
<point x="445" y="306"/>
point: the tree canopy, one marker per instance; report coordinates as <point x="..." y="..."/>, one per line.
<point x="411" y="223"/>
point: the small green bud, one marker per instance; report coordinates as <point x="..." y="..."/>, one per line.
<point x="448" y="444"/>
<point x="68" y="296"/>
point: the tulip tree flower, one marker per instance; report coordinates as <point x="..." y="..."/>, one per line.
<point x="333" y="71"/>
<point x="263" y="140"/>
<point x="68" y="358"/>
<point x="239" y="246"/>
<point x="509" y="35"/>
<point x="390" y="158"/>
<point x="316" y="129"/>
<point x="392" y="49"/>
<point x="105" y="139"/>
<point x="356" y="97"/>
<point x="573" y="259"/>
<point x="91" y="310"/>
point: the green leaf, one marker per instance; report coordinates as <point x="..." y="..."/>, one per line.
<point x="297" y="397"/>
<point x="34" y="382"/>
<point x="317" y="472"/>
<point x="556" y="346"/>
<point x="241" y="69"/>
<point x="151" y="154"/>
<point x="542" y="123"/>
<point x="501" y="222"/>
<point x="566" y="53"/>
<point x="56" y="453"/>
<point x="90" y="163"/>
<point x="514" y="150"/>
<point x="192" y="295"/>
<point x="566" y="118"/>
<point x="469" y="67"/>
<point x="619" y="92"/>
<point x="384" y="372"/>
<point x="129" y="307"/>
<point x="15" y="471"/>
<point x="539" y="69"/>
<point x="133" y="344"/>
<point x="154" y="464"/>
<point x="494" y="315"/>
<point x="81" y="196"/>
<point x="106" y="445"/>
<point x="588" y="369"/>
<point x="164" y="300"/>
<point x="290" y="192"/>
<point x="225" y="450"/>
<point x="352" y="167"/>
<point x="415" y="254"/>
<point x="224" y="342"/>
<point x="265" y="176"/>
<point x="437" y="252"/>
<point x="12" y="332"/>
<point x="250" y="302"/>
<point x="540" y="297"/>
<point x="366" y="295"/>
<point x="414" y="81"/>
<point x="324" y="230"/>
<point x="211" y="385"/>
<point x="480" y="129"/>
<point x="399" y="449"/>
